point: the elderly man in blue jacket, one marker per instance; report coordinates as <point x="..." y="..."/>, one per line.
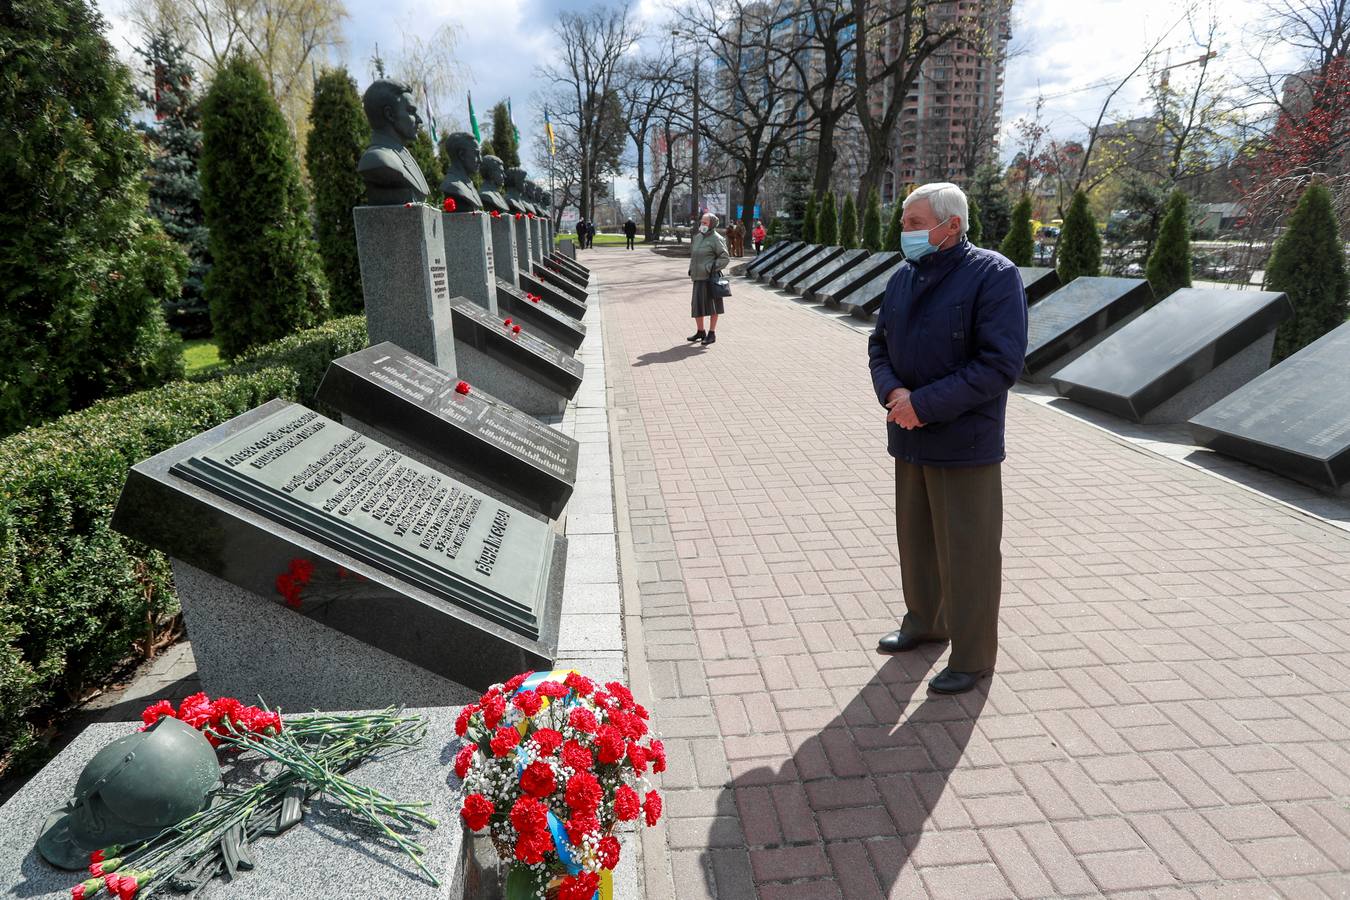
<point x="949" y="342"/>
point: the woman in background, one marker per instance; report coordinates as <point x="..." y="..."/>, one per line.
<point x="707" y="254"/>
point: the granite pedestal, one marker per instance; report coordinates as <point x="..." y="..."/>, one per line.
<point x="788" y="277"/>
<point x="842" y="263"/>
<point x="522" y="369"/>
<point x="552" y="296"/>
<point x="577" y="274"/>
<point x="327" y="853"/>
<point x="864" y="301"/>
<point x="1071" y="321"/>
<point x="524" y="248"/>
<point x="838" y="289"/>
<point x="754" y="266"/>
<point x="536" y="239"/>
<point x="767" y="274"/>
<point x="558" y="279"/>
<point x="506" y="256"/>
<point x="470" y="258"/>
<point x="401" y="250"/>
<point x="1179" y="357"/>
<point x="1037" y="282"/>
<point x="568" y="248"/>
<point x="552" y="324"/>
<point x="1293" y="419"/>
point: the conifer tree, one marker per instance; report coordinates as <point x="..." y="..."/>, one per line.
<point x="774" y="233"/>
<point x="974" y="228"/>
<point x="986" y="189"/>
<point x="84" y="270"/>
<point x="504" y="136"/>
<point x="486" y="149"/>
<point x="809" y="221"/>
<point x="1018" y="244"/>
<point x="175" y="192"/>
<point x="827" y="222"/>
<point x="894" y="228"/>
<point x="1169" y="265"/>
<point x="266" y="280"/>
<point x="871" y="231"/>
<point x="337" y="137"/>
<point x="1080" y="245"/>
<point x="1309" y="264"/>
<point x="424" y="151"/>
<point x="848" y="225"/>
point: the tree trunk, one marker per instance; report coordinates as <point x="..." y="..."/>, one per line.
<point x="825" y="154"/>
<point x="878" y="161"/>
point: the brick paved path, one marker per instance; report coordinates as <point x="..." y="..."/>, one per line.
<point x="1170" y="716"/>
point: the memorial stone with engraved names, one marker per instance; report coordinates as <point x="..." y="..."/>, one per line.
<point x="388" y="393"/>
<point x="1294" y="419"/>
<point x="319" y="568"/>
<point x="792" y="278"/>
<point x="831" y="270"/>
<point x="524" y="243"/>
<point x="550" y="323"/>
<point x="1179" y="357"/>
<point x="863" y="302"/>
<point x="552" y="296"/>
<point x="521" y="368"/>
<point x="1037" y="282"/>
<point x="578" y="274"/>
<point x="749" y="269"/>
<point x="785" y="262"/>
<point x="536" y="239"/>
<point x="835" y="291"/>
<point x="1077" y="317"/>
<point x="554" y="278"/>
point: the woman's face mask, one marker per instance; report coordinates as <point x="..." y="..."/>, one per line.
<point x="705" y="228"/>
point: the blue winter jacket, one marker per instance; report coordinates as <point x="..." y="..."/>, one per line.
<point x="953" y="329"/>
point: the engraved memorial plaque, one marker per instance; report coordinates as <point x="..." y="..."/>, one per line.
<point x="806" y="266"/>
<point x="755" y="265"/>
<point x="831" y="270"/>
<point x="524" y="351"/>
<point x="840" y="288"/>
<point x="1037" y="281"/>
<point x="862" y="302"/>
<point x="397" y="393"/>
<point x="1084" y="309"/>
<point x="552" y="296"/>
<point x="785" y="262"/>
<point x="552" y="324"/>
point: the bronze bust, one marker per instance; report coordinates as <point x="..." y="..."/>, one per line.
<point x="515" y="189"/>
<point x="535" y="194"/>
<point x="494" y="177"/>
<point x="391" y="174"/>
<point x="465" y="160"/>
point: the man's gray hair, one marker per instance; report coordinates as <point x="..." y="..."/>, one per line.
<point x="946" y="199"/>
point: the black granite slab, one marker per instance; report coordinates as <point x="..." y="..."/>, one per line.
<point x="390" y="389"/>
<point x="1169" y="348"/>
<point x="1082" y="310"/>
<point x="833" y="292"/>
<point x="553" y="277"/>
<point x="830" y="271"/>
<point x="864" y="301"/>
<point x="753" y="267"/>
<point x="551" y="295"/>
<point x="788" y="277"/>
<point x="525" y="352"/>
<point x="404" y="558"/>
<point x="551" y="323"/>
<point x="1037" y="281"/>
<point x="1293" y="419"/>
<point x="784" y="262"/>
<point x="579" y="274"/>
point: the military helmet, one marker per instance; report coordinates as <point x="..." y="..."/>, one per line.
<point x="132" y="790"/>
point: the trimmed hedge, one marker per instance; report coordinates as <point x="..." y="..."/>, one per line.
<point x="76" y="597"/>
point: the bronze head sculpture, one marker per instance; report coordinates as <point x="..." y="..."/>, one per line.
<point x="515" y="189"/>
<point x="465" y="161"/>
<point x="494" y="183"/>
<point x="391" y="174"/>
<point x="132" y="790"/>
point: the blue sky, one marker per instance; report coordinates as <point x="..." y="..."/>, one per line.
<point x="1070" y="49"/>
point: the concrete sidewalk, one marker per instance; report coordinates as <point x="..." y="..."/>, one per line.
<point x="1171" y="714"/>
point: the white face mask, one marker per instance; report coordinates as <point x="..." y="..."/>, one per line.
<point x="705" y="228"/>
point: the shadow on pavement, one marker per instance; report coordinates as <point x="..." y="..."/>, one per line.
<point x="861" y="790"/>
<point x="674" y="354"/>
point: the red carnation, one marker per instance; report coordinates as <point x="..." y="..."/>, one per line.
<point x="579" y="683"/>
<point x="537" y="779"/>
<point x="583" y="720"/>
<point x="609" y="744"/>
<point x="530" y="848"/>
<point x="519" y="216"/>
<point x="581" y="886"/>
<point x="608" y="851"/>
<point x="657" y="751"/>
<point x="548" y="739"/>
<point x="464" y="759"/>
<point x="496" y="214"/>
<point x="641" y="711"/>
<point x="449" y="204"/>
<point x="494" y="707"/>
<point x="577" y="757"/>
<point x="555" y="690"/>
<point x="652" y="807"/>
<point x="515" y="681"/>
<point x="302" y="570"/>
<point x="289" y="588"/>
<point x="99" y="855"/>
<point x="624" y="695"/>
<point x="579" y="826"/>
<point x="583" y="793"/>
<point x="515" y="329"/>
<point x="151" y="715"/>
<point x="127" y="887"/>
<point x="195" y="710"/>
<point x="637" y="755"/>
<point x="462" y="388"/>
<point x="527" y="702"/>
<point x="111" y="882"/>
<point x="506" y="321"/>
<point x="462" y="720"/>
<point x="477" y="811"/>
<point x="504" y="741"/>
<point x="627" y="805"/>
<point x="529" y="816"/>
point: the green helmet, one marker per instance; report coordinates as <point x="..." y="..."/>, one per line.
<point x="132" y="790"/>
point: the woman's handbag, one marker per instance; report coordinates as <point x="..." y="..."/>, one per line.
<point x="719" y="287"/>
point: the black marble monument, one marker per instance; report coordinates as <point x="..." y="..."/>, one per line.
<point x="1075" y="318"/>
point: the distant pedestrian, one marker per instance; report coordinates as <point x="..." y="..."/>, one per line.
<point x="630" y="232"/>
<point x="758" y="236"/>
<point x="581" y="234"/>
<point x="738" y="239"/>
<point x="949" y="342"/>
<point x="707" y="254"/>
<point x="590" y="235"/>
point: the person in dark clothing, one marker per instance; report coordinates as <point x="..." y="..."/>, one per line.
<point x="950" y="340"/>
<point x="630" y="232"/>
<point x="581" y="234"/>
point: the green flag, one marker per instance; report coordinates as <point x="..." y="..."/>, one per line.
<point x="515" y="132"/>
<point x="473" y="121"/>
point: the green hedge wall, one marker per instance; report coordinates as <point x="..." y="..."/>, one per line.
<point x="77" y="598"/>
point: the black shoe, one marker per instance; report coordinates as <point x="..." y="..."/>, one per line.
<point x="696" y="336"/>
<point x="710" y="339"/>
<point x="899" y="642"/>
<point x="949" y="682"/>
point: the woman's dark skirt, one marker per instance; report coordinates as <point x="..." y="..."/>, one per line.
<point x="702" y="304"/>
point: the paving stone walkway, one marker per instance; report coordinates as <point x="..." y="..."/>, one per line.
<point x="1171" y="713"/>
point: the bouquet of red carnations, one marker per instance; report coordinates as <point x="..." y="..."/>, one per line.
<point x="552" y="763"/>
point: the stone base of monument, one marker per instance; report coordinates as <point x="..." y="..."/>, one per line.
<point x="1045" y="374"/>
<point x="552" y="296"/>
<point x="521" y="369"/>
<point x="248" y="646"/>
<point x="326" y="855"/>
<point x="555" y="278"/>
<point x="506" y="381"/>
<point x="568" y="248"/>
<point x="553" y="324"/>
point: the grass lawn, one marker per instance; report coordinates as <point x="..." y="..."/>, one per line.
<point x="201" y="355"/>
<point x="601" y="239"/>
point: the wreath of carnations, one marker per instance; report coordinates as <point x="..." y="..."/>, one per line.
<point x="552" y="764"/>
